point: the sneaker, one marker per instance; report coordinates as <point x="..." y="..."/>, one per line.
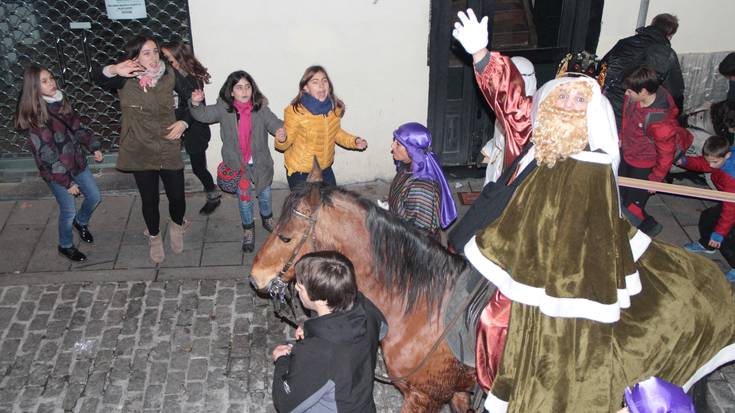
<point x="72" y="254"/>
<point x="248" y="238"/>
<point x="697" y="247"/>
<point x="730" y="275"/>
<point x="210" y="206"/>
<point x="267" y="222"/>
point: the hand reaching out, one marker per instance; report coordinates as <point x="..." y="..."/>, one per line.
<point x="281" y="350"/>
<point x="361" y="144"/>
<point x="197" y="97"/>
<point x="98" y="156"/>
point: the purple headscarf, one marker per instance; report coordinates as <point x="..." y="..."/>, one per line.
<point x="425" y="165"/>
<point x="656" y="395"/>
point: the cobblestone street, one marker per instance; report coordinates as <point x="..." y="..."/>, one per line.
<point x="117" y="334"/>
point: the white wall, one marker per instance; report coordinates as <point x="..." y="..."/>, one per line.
<point x="374" y="50"/>
<point x="704" y="26"/>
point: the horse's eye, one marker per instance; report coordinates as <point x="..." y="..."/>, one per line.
<point x="284" y="238"/>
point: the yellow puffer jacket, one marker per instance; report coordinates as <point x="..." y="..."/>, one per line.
<point x="309" y="135"/>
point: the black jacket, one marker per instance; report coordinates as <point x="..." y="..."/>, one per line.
<point x="648" y="47"/>
<point x="331" y="369"/>
<point x="197" y="135"/>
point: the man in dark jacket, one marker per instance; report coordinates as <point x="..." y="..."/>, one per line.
<point x="651" y="47"/>
<point x="331" y="368"/>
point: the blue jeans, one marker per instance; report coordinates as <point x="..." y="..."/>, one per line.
<point x="298" y="177"/>
<point x="246" y="207"/>
<point x="68" y="208"/>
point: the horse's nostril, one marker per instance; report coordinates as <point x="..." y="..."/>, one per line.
<point x="253" y="283"/>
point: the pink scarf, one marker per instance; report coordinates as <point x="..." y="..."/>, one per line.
<point x="244" y="127"/>
<point x="150" y="77"/>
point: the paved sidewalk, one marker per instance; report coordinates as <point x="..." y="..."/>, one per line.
<point x="117" y="333"/>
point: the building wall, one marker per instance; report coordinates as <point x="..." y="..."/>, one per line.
<point x="374" y="50"/>
<point x="704" y="26"/>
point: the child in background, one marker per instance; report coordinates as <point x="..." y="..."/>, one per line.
<point x="331" y="368"/>
<point x="245" y="122"/>
<point x="648" y="141"/>
<point x="716" y="222"/>
<point x="56" y="137"/>
<point x="312" y="123"/>
<point x="192" y="75"/>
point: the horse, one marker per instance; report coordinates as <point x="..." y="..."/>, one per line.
<point x="407" y="274"/>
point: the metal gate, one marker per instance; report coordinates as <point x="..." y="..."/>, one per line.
<point x="40" y="32"/>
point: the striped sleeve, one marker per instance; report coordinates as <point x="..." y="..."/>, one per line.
<point x="421" y="205"/>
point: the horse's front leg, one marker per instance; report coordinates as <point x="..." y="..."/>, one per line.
<point x="416" y="401"/>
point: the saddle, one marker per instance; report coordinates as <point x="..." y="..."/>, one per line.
<point x="470" y="295"/>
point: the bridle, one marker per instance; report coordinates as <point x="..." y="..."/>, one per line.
<point x="280" y="291"/>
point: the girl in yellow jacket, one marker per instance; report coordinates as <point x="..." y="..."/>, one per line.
<point x="312" y="123"/>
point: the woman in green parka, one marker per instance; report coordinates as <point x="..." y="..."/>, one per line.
<point x="150" y="145"/>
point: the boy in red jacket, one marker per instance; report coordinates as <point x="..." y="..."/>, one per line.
<point x="648" y="139"/>
<point x="715" y="223"/>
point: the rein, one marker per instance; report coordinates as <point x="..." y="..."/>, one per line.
<point x="463" y="307"/>
<point x="279" y="288"/>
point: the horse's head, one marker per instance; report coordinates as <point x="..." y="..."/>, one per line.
<point x="273" y="264"/>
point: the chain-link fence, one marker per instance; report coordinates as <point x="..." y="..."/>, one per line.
<point x="39" y="32"/>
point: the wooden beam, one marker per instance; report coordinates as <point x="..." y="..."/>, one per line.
<point x="676" y="189"/>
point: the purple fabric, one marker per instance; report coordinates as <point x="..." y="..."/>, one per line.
<point x="425" y="165"/>
<point x="656" y="395"/>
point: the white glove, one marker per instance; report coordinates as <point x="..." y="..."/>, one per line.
<point x="383" y="204"/>
<point x="469" y="32"/>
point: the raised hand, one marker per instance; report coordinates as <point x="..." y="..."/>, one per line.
<point x="471" y="33"/>
<point x="197" y="97"/>
<point x="127" y="68"/>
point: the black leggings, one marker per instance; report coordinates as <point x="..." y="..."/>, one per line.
<point x="707" y="222"/>
<point x="173" y="184"/>
<point x="199" y="167"/>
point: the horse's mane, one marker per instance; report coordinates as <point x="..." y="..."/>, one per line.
<point x="407" y="260"/>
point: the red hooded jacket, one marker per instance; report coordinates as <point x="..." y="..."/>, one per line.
<point x="723" y="182"/>
<point x="657" y="146"/>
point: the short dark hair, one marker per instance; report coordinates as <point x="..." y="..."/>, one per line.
<point x="641" y="78"/>
<point x="723" y="117"/>
<point x="328" y="276"/>
<point x="727" y="65"/>
<point x="666" y="23"/>
<point x="716" y="146"/>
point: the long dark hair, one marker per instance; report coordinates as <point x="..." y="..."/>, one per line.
<point x="225" y="93"/>
<point x="135" y="43"/>
<point x="339" y="106"/>
<point x="31" y="111"/>
<point x="184" y="55"/>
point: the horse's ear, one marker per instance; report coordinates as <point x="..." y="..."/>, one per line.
<point x="314" y="197"/>
<point x="316" y="172"/>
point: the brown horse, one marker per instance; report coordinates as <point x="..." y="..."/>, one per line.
<point x="405" y="273"/>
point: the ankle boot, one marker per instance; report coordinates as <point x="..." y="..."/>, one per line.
<point x="176" y="235"/>
<point x="248" y="238"/>
<point x="267" y="222"/>
<point x="156" y="244"/>
<point x="213" y="201"/>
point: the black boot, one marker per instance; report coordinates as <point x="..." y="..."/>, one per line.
<point x="650" y="226"/>
<point x="248" y="238"/>
<point x="72" y="253"/>
<point x="84" y="233"/>
<point x="267" y="222"/>
<point x="213" y="201"/>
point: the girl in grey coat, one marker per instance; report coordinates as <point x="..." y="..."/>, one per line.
<point x="245" y="122"/>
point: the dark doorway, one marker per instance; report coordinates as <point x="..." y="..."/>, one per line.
<point x="542" y="31"/>
<point x="41" y="32"/>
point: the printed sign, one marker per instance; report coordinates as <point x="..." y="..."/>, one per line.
<point x="125" y="9"/>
